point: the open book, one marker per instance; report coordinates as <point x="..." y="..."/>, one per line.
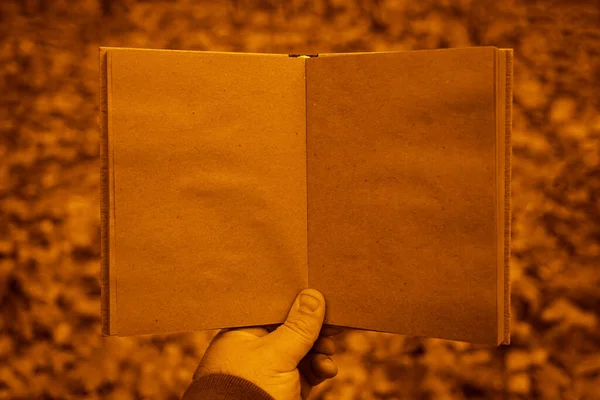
<point x="232" y="181"/>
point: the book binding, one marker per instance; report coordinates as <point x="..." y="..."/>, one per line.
<point x="104" y="200"/>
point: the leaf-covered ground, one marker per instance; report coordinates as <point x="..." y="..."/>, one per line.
<point x="50" y="343"/>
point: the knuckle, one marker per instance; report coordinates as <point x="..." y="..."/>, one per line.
<point x="300" y="328"/>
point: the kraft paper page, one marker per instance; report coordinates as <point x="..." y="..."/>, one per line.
<point x="401" y="186"/>
<point x="209" y="188"/>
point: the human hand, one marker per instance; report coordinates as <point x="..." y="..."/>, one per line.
<point x="286" y="360"/>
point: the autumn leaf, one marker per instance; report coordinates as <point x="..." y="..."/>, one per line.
<point x="563" y="311"/>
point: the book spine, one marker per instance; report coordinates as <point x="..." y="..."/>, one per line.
<point x="104" y="199"/>
<point x="303" y="55"/>
<point x="507" y="176"/>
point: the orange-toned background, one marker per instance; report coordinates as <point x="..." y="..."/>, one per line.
<point x="50" y="343"/>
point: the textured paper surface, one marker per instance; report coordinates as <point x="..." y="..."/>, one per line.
<point x="210" y="188"/>
<point x="401" y="181"/>
<point x="400" y="160"/>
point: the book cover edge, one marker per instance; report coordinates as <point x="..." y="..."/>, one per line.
<point x="109" y="48"/>
<point x="507" y="196"/>
<point x="401" y="51"/>
<point x="105" y="316"/>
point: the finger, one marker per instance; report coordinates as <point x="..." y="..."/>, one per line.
<point x="300" y="330"/>
<point x="253" y="331"/>
<point x="306" y="369"/>
<point x="329" y="330"/>
<point x="307" y="378"/>
<point x="324" y="345"/>
<point x="323" y="366"/>
<point x="326" y="330"/>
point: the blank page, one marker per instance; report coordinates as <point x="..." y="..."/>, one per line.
<point x="401" y="168"/>
<point x="209" y="188"/>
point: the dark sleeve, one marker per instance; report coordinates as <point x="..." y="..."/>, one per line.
<point x="224" y="387"/>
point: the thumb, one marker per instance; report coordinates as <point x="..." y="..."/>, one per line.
<point x="294" y="339"/>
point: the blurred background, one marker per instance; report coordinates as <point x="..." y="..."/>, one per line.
<point x="50" y="343"/>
